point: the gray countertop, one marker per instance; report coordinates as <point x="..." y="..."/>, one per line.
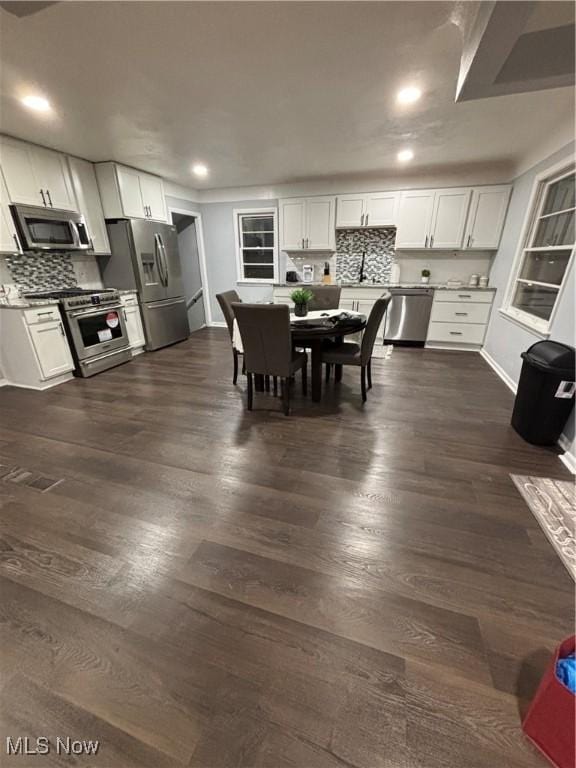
<point x="442" y="286"/>
<point x="26" y="303"/>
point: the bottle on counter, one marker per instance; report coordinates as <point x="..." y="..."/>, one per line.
<point x="395" y="273"/>
<point x="473" y="282"/>
<point x="326" y="278"/>
<point x="483" y="282"/>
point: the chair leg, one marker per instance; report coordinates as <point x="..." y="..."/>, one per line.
<point x="338" y="372"/>
<point x="275" y="385"/>
<point x="369" y="372"/>
<point x="243" y="366"/>
<point x="328" y="370"/>
<point x="286" y="397"/>
<point x="250" y="391"/>
<point x="363" y="382"/>
<point x="305" y="379"/>
<point x="235" y="375"/>
<point x="267" y="383"/>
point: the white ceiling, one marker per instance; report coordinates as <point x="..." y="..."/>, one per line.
<point x="263" y="93"/>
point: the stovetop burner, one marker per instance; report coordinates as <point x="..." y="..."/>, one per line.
<point x="65" y="293"/>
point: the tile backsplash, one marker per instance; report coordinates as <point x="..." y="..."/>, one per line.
<point x="377" y="244"/>
<point x="42" y="272"/>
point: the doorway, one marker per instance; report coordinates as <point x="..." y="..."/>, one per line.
<point x="188" y="248"/>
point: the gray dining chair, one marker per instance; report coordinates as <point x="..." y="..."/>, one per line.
<point x="325" y="297"/>
<point x="226" y="300"/>
<point x="349" y="353"/>
<point x="267" y="342"/>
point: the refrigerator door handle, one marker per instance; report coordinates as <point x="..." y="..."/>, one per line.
<point x="164" y="260"/>
<point x="158" y="258"/>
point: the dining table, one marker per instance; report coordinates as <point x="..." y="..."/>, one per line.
<point x="311" y="332"/>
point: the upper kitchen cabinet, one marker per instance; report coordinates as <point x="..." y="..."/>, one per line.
<point x="9" y="241"/>
<point x="36" y="176"/>
<point x="89" y="203"/>
<point x="307" y="224"/>
<point x="376" y="209"/>
<point x="486" y="218"/>
<point x="432" y="219"/>
<point x="128" y="193"/>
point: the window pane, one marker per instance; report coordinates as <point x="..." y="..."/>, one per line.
<point x="259" y="256"/>
<point x="534" y="299"/>
<point x="560" y="195"/>
<point x="556" y="230"/>
<point x="258" y="240"/>
<point x="257" y="223"/>
<point x="259" y="272"/>
<point x="545" y="266"/>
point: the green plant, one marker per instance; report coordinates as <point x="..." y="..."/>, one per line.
<point x="301" y="296"/>
<point x="425" y="273"/>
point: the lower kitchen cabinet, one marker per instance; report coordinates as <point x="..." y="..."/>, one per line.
<point x="133" y="320"/>
<point x="34" y="348"/>
<point x="459" y="318"/>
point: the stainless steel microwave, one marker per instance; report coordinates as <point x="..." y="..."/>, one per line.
<point x="42" y="229"/>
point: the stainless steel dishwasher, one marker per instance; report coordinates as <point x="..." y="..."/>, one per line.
<point x="408" y="316"/>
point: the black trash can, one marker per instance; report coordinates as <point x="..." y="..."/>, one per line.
<point x="545" y="394"/>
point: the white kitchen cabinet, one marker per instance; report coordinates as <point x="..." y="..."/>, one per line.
<point x="128" y="193"/>
<point x="486" y="218"/>
<point x="432" y="219"/>
<point x="33" y="347"/>
<point x="449" y="218"/>
<point x="415" y="219"/>
<point x="9" y="242"/>
<point x="89" y="203"/>
<point x="375" y="209"/>
<point x="36" y="176"/>
<point x="133" y="321"/>
<point x="51" y="347"/>
<point x="307" y="224"/>
<point x="459" y="318"/>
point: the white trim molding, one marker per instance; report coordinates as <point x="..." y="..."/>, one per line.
<point x="266" y="211"/>
<point x="201" y="257"/>
<point x="497" y="368"/>
<point x="567" y="458"/>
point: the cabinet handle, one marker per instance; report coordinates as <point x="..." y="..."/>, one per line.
<point x="469" y="241"/>
<point x="125" y="316"/>
<point x="61" y="329"/>
<point x="366" y="221"/>
<point x="455" y="333"/>
<point x="49" y="198"/>
<point x="461" y="314"/>
<point x="426" y="242"/>
<point x="464" y="296"/>
<point x="43" y="198"/>
<point x="40" y="314"/>
<point x="17" y="243"/>
<point x="431" y="240"/>
<point x="307" y="243"/>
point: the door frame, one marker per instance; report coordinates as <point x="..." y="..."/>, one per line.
<point x="201" y="256"/>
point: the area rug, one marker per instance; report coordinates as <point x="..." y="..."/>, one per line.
<point x="382" y="351"/>
<point x="553" y="504"/>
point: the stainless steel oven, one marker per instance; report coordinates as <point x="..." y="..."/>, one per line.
<point x="48" y="229"/>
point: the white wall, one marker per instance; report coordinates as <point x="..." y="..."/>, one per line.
<point x="506" y="340"/>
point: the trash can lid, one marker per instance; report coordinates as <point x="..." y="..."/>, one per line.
<point x="552" y="356"/>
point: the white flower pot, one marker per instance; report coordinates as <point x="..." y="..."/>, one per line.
<point x="425" y="280"/>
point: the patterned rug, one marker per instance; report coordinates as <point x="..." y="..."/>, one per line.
<point x="553" y="504"/>
<point x="382" y="351"/>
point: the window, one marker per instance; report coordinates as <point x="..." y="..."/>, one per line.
<point x="256" y="246"/>
<point x="548" y="247"/>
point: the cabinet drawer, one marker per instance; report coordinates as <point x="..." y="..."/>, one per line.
<point x="130" y="300"/>
<point x="481" y="297"/>
<point x="457" y="333"/>
<point x="460" y="312"/>
<point x="41" y="315"/>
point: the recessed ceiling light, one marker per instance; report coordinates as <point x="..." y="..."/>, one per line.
<point x="37" y="103"/>
<point x="200" y="170"/>
<point x="409" y="95"/>
<point x="405" y="155"/>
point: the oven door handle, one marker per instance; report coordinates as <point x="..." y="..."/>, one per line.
<point x="101" y="311"/>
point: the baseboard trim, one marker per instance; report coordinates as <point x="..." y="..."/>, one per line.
<point x="567" y="458"/>
<point x="4" y="382"/>
<point x="218" y="324"/>
<point x="500" y="372"/>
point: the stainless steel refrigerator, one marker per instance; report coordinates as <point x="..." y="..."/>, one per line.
<point x="145" y="258"/>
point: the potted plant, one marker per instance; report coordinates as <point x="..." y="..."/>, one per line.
<point x="425" y="276"/>
<point x="301" y="297"/>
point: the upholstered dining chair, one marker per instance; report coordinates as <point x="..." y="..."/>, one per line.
<point x="226" y="300"/>
<point x="325" y="297"/>
<point x="349" y="353"/>
<point x="267" y="342"/>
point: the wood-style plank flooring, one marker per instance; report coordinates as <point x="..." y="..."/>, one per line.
<point x="350" y="587"/>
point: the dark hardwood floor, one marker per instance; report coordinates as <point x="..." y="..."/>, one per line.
<point x="350" y="587"/>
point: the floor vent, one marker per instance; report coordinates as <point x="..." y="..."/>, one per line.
<point x="21" y="476"/>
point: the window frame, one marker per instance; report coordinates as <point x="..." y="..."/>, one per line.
<point x="265" y="211"/>
<point x="541" y="185"/>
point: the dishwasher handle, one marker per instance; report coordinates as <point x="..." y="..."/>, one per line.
<point x="411" y="291"/>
